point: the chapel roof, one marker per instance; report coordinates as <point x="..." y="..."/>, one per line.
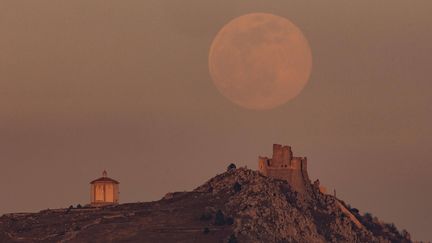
<point x="104" y="178"/>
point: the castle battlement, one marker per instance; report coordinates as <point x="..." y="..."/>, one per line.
<point x="283" y="165"/>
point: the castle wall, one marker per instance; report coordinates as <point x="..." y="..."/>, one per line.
<point x="262" y="165"/>
<point x="304" y="172"/>
<point x="286" y="167"/>
<point x="286" y="154"/>
<point x="296" y="163"/>
<point x="277" y="158"/>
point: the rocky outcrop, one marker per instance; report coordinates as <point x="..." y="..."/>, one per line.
<point x="269" y="210"/>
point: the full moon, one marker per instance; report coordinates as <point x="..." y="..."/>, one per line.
<point x="260" y="61"/>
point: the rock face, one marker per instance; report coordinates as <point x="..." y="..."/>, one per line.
<point x="270" y="210"/>
<point x="239" y="205"/>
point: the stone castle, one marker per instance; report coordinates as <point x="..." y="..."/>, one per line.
<point x="283" y="165"/>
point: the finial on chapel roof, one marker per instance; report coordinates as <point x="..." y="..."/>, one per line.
<point x="104" y="173"/>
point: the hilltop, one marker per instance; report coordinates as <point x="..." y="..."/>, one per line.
<point x="240" y="205"/>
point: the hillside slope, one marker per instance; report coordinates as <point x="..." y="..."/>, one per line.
<point x="237" y="206"/>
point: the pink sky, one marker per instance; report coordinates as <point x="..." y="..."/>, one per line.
<point x="124" y="86"/>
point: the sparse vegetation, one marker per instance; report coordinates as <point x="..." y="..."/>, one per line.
<point x="379" y="229"/>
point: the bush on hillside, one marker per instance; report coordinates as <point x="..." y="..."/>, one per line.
<point x="231" y="167"/>
<point x="219" y="218"/>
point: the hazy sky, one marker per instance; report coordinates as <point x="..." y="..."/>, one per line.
<point x="124" y="86"/>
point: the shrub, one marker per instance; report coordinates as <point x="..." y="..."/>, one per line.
<point x="206" y="216"/>
<point x="79" y="206"/>
<point x="232" y="239"/>
<point x="392" y="228"/>
<point x="219" y="218"/>
<point x="69" y="209"/>
<point x="229" y="221"/>
<point x="231" y="167"/>
<point x="354" y="210"/>
<point x="406" y="235"/>
<point x="237" y="187"/>
<point x="368" y="216"/>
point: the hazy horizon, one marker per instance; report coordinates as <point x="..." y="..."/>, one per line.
<point x="125" y="86"/>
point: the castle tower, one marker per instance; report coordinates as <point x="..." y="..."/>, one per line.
<point x="104" y="191"/>
<point x="283" y="165"/>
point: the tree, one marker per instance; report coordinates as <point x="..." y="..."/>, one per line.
<point x="237" y="187"/>
<point x="231" y="167"/>
<point x="368" y="216"/>
<point x="355" y="210"/>
<point x="69" y="209"/>
<point x="229" y="221"/>
<point x="206" y="216"/>
<point x="232" y="239"/>
<point x="219" y="218"/>
<point x="392" y="228"/>
<point x="406" y="235"/>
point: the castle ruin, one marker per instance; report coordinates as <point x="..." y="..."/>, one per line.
<point x="283" y="165"/>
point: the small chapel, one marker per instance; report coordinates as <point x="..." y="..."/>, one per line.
<point x="104" y="191"/>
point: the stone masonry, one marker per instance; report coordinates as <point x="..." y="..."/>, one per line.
<point x="283" y="165"/>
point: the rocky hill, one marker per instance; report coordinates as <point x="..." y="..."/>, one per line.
<point x="239" y="205"/>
